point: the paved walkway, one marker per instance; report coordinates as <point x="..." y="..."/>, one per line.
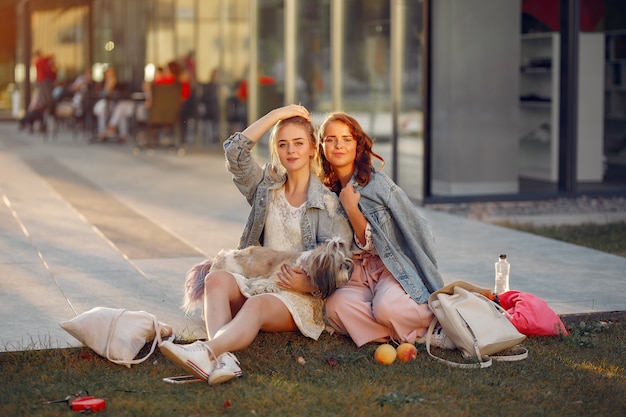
<point x="92" y="225"/>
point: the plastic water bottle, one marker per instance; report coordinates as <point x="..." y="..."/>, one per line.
<point x="502" y="275"/>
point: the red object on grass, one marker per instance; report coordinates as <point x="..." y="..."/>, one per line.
<point x="531" y="315"/>
<point x="88" y="403"/>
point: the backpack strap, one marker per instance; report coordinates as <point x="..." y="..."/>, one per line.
<point x="484" y="361"/>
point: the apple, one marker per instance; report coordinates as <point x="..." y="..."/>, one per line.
<point x="385" y="354"/>
<point x="406" y="352"/>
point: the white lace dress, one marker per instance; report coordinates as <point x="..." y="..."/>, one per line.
<point x="282" y="232"/>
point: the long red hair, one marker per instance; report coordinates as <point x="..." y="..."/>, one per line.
<point x="363" y="161"/>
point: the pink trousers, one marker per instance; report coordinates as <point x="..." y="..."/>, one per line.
<point x="373" y="306"/>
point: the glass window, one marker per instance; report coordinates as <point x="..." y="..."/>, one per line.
<point x="235" y="42"/>
<point x="62" y="32"/>
<point x="366" y="69"/>
<point x="271" y="56"/>
<point x="313" y="56"/>
<point x="119" y="38"/>
<point x="208" y="48"/>
<point x="208" y="9"/>
<point x="366" y="56"/>
<point x="410" y="145"/>
<point x="601" y="112"/>
<point x="160" y="46"/>
<point x="613" y="28"/>
<point x="235" y="56"/>
<point x="186" y="33"/>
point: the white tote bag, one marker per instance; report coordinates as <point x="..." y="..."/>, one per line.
<point x="117" y="334"/>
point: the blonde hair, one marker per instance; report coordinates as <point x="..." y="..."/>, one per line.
<point x="311" y="133"/>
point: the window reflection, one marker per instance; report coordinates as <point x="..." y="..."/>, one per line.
<point x="313" y="56"/>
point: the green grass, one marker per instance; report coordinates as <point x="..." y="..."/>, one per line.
<point x="583" y="374"/>
<point x="610" y="238"/>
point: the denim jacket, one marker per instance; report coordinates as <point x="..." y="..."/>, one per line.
<point x="324" y="217"/>
<point x="401" y="236"/>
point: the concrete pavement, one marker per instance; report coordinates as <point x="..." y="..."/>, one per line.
<point x="94" y="225"/>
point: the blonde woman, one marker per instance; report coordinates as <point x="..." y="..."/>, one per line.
<point x="291" y="210"/>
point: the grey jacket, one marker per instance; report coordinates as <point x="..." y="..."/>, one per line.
<point x="401" y="236"/>
<point x="324" y="217"/>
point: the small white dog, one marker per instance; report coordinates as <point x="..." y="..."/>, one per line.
<point x="329" y="266"/>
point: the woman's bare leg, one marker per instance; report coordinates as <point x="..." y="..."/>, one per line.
<point x="260" y="312"/>
<point x="251" y="315"/>
<point x="222" y="300"/>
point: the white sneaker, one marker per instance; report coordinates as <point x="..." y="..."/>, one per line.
<point x="195" y="357"/>
<point x="227" y="368"/>
<point x="440" y="340"/>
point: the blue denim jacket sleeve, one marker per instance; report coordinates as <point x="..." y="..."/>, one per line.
<point x="253" y="182"/>
<point x="247" y="174"/>
<point x="402" y="237"/>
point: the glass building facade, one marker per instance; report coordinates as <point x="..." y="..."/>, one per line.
<point x="466" y="99"/>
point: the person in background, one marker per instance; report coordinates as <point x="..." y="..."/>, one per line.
<point x="114" y="109"/>
<point x="396" y="269"/>
<point x="237" y="102"/>
<point x="188" y="105"/>
<point x="46" y="77"/>
<point x="189" y="62"/>
<point x="80" y="87"/>
<point x="291" y="210"/>
<point x="210" y="105"/>
<point x="164" y="75"/>
<point x="34" y="113"/>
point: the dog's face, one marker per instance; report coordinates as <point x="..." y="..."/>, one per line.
<point x="331" y="265"/>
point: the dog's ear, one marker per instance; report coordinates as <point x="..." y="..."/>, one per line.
<point x="322" y="272"/>
<point x="326" y="283"/>
<point x="348" y="264"/>
<point x="344" y="275"/>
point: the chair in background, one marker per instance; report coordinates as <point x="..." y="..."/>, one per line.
<point x="159" y="129"/>
<point x="64" y="116"/>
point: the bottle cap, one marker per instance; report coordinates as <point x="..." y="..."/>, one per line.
<point x="503" y="256"/>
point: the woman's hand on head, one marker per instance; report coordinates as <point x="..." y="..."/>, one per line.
<point x="292" y="110"/>
<point x="255" y="131"/>
<point x="295" y="279"/>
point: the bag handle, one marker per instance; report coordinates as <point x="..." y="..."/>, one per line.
<point x="511" y="358"/>
<point x="481" y="364"/>
<point x="484" y="361"/>
<point x="157" y="340"/>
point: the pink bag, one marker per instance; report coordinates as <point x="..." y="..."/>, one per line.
<point x="531" y="315"/>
